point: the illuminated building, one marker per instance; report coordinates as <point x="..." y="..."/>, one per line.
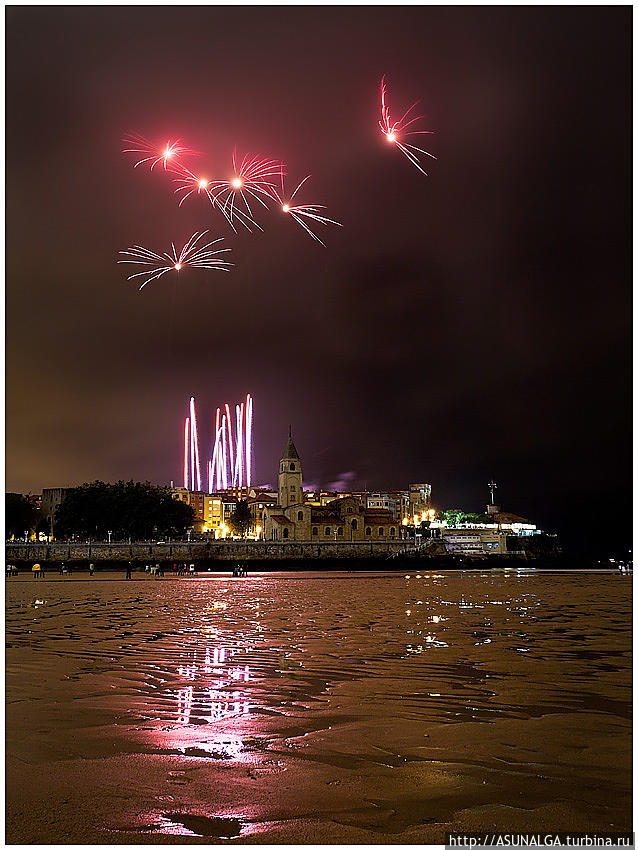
<point x="290" y="478"/>
<point x="258" y="506"/>
<point x="195" y="499"/>
<point x="213" y="512"/>
<point x="343" y="519"/>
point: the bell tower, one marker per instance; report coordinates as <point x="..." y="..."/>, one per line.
<point x="290" y="481"/>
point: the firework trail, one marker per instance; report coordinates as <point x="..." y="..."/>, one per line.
<point x="187" y="424"/>
<point x="299" y="212"/>
<point x="229" y="425"/>
<point x="395" y="131"/>
<point x="195" y="444"/>
<point x="248" y="180"/>
<point x="230" y="462"/>
<point x="249" y="437"/>
<point x="168" y="152"/>
<point x="192" y="255"/>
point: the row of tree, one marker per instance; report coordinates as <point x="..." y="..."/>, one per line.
<point x="126" y="509"/>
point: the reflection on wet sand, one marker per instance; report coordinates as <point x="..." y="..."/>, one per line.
<point x="344" y="708"/>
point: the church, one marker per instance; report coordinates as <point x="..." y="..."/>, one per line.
<point x="345" y="520"/>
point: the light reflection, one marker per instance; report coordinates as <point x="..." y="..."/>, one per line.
<point x="211" y="699"/>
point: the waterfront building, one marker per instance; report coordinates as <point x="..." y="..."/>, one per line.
<point x="290" y="491"/>
<point x="477" y="541"/>
<point x="213" y="512"/>
<point x="258" y="506"/>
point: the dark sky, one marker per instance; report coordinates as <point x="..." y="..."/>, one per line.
<point x="469" y="324"/>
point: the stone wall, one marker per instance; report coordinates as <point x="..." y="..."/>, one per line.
<point x="196" y="552"/>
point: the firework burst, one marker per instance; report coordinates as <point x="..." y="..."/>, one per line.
<point x="192" y="255"/>
<point x="169" y="152"/>
<point x="189" y="184"/>
<point x="250" y="179"/>
<point x="395" y="132"/>
<point x="299" y="212"/>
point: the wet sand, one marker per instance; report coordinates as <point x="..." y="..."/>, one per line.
<point x="358" y="708"/>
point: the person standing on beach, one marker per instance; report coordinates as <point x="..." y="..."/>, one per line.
<point x="91" y="569"/>
<point x="129" y="570"/>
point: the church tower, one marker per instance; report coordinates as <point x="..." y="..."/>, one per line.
<point x="290" y="486"/>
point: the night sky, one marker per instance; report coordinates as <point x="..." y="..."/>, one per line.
<point x="469" y="324"/>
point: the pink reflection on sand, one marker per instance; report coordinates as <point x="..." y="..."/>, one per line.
<point x="214" y="694"/>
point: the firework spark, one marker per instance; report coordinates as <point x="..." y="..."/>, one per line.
<point x="188" y="184"/>
<point x="250" y="179"/>
<point x="300" y="211"/>
<point x="191" y="255"/>
<point x="395" y="131"/>
<point x="165" y="153"/>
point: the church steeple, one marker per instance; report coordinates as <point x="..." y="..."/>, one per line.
<point x="290" y="477"/>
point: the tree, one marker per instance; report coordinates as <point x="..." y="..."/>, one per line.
<point x="239" y="522"/>
<point x="21" y="515"/>
<point x="127" y="509"/>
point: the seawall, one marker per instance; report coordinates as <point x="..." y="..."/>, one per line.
<point x="198" y="552"/>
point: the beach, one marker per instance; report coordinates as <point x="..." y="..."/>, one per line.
<point x="316" y="707"/>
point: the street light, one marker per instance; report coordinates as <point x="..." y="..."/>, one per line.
<point x="109" y="534"/>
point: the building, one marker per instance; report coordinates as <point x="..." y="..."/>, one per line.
<point x="213" y="512"/>
<point x="342" y="519"/>
<point x="290" y="491"/>
<point x="383" y="501"/>
<point x="258" y="506"/>
<point x="477" y="541"/>
<point x="51" y="498"/>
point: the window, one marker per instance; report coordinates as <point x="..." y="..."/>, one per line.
<point x="354" y="525"/>
<point x="349" y="510"/>
<point x="392" y="531"/>
<point x="292" y="467"/>
<point x="380" y="531"/>
<point x="315" y="531"/>
<point x="340" y="531"/>
<point x="292" y="487"/>
<point x="327" y="531"/>
<point x="285" y="533"/>
<point x="300" y="516"/>
<point x="368" y="531"/>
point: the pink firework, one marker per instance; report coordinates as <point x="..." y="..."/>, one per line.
<point x="189" y="184"/>
<point x="249" y="180"/>
<point x="299" y="212"/>
<point x="168" y="152"/>
<point x="396" y="132"/>
<point x="192" y="255"/>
